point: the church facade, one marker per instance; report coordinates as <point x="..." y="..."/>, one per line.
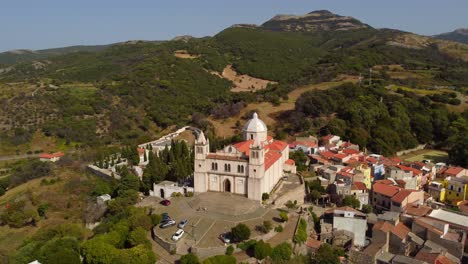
<point x="250" y="168"/>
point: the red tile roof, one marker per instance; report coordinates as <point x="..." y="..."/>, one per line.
<point x="401" y="196"/>
<point x="270" y="158"/>
<point x="406" y="168"/>
<point x="277" y="145"/>
<point x="427" y="256"/>
<point x="371" y="160"/>
<point x="244" y="146"/>
<point x="400" y="230"/>
<point x="385" y="189"/>
<point x="383" y="226"/>
<point x="453" y="170"/>
<point x="360" y="185"/>
<point x="350" y="151"/>
<point x="327" y="154"/>
<point x="340" y="156"/>
<point x="51" y="155"/>
<point x="290" y="162"/>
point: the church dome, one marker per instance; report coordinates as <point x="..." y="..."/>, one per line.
<point x="255" y="125"/>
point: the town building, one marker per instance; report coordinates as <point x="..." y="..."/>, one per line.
<point x="350" y="220"/>
<point x="250" y="168"/>
<point x="51" y="157"/>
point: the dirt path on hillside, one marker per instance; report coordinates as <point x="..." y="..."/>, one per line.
<point x="268" y="112"/>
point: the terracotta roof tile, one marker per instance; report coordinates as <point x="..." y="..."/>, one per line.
<point x="453" y="170"/>
<point x="350" y="151"/>
<point x="360" y="185"/>
<point x="401" y="195"/>
<point x="426" y="256"/>
<point x="270" y="158"/>
<point x="51" y="155"/>
<point x="383" y="226"/>
<point x="401" y="230"/>
<point x="290" y="162"/>
<point x="313" y="243"/>
<point x="327" y="154"/>
<point x="384" y="189"/>
<point x="443" y="260"/>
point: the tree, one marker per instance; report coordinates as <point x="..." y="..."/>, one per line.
<point x="281" y="252"/>
<point x="229" y="250"/>
<point x="220" y="259"/>
<point x="367" y="208"/>
<point x="326" y="254"/>
<point x="189" y="258"/>
<point x="262" y="250"/>
<point x="42" y="209"/>
<point x="265" y="196"/>
<point x="350" y="200"/>
<point x="300" y="159"/>
<point x="284" y="216"/>
<point x="240" y="232"/>
<point x="314" y="195"/>
<point x="267" y="226"/>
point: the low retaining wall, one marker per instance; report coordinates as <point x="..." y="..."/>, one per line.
<point x="296" y="194"/>
<point x="406" y="151"/>
<point x="169" y="246"/>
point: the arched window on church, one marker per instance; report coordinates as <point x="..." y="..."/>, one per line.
<point x="251" y="136"/>
<point x="227" y="167"/>
<point x="214" y="166"/>
<point x="238" y="169"/>
<point x="230" y="149"/>
<point x="241" y="168"/>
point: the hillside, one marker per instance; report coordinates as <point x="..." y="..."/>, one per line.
<point x="322" y="20"/>
<point x="458" y="35"/>
<point x="79" y="96"/>
<point x="22" y="55"/>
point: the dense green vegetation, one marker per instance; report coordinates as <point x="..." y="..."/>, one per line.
<point x="135" y="90"/>
<point x="374" y="118"/>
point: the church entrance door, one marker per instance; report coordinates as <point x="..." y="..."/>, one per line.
<point x="227" y="185"/>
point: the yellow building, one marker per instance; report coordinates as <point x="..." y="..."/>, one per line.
<point x="456" y="189"/>
<point x="437" y="191"/>
<point x="366" y="171"/>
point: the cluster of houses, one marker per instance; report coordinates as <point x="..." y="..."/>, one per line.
<point x="420" y="208"/>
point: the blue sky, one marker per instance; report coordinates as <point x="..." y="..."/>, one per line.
<point x="38" y="24"/>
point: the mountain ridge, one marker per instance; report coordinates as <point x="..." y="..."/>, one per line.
<point x="458" y="35"/>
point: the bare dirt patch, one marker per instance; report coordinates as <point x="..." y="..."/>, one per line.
<point x="183" y="54"/>
<point x="267" y="111"/>
<point x="243" y="82"/>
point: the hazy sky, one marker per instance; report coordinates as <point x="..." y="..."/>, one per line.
<point x="39" y="24"/>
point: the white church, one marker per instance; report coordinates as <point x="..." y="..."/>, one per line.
<point x="250" y="168"/>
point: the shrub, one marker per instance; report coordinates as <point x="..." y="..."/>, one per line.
<point x="189" y="194"/>
<point x="301" y="234"/>
<point x="229" y="250"/>
<point x="262" y="250"/>
<point x="240" y="232"/>
<point x="220" y="259"/>
<point x="367" y="208"/>
<point x="156" y="219"/>
<point x="42" y="209"/>
<point x="189" y="258"/>
<point x="290" y="205"/>
<point x="281" y="252"/>
<point x="247" y="245"/>
<point x="265" y="196"/>
<point x="284" y="216"/>
<point x="267" y="226"/>
<point x="279" y="228"/>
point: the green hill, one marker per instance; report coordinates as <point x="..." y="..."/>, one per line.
<point x="130" y="92"/>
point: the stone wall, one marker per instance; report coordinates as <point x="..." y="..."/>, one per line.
<point x="169" y="246"/>
<point x="296" y="194"/>
<point x="406" y="151"/>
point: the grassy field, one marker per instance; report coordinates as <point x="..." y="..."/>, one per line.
<point x="417" y="91"/>
<point x="426" y="154"/>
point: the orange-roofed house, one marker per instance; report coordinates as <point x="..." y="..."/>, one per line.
<point x="250" y="168"/>
<point x="455" y="172"/>
<point x="52" y="157"/>
<point x="382" y="195"/>
<point x="405" y="197"/>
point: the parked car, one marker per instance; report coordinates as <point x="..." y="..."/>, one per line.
<point x="166" y="202"/>
<point x="225" y="238"/>
<point x="183" y="223"/>
<point x="165" y="217"/>
<point x="167" y="223"/>
<point x="178" y="235"/>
